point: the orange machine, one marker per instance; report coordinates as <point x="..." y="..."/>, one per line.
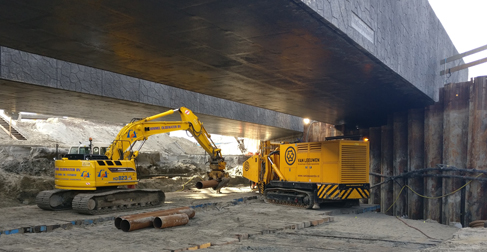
<point x="307" y="174"/>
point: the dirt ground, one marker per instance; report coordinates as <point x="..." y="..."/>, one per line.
<point x="236" y="220"/>
<point x="261" y="226"/>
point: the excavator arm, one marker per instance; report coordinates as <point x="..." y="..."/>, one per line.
<point x="122" y="148"/>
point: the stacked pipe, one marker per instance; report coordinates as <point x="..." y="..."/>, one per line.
<point x="158" y="219"/>
<point x="478" y="224"/>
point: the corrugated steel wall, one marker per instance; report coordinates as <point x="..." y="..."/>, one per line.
<point x="452" y="132"/>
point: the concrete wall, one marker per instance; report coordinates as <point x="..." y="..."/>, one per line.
<point x="405" y="35"/>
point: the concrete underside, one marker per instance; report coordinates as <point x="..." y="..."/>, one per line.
<point x="277" y="55"/>
<point x="26" y="97"/>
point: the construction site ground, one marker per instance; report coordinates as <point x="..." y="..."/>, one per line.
<point x="236" y="220"/>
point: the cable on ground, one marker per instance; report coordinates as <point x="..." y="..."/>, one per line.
<point x="416" y="229"/>
<point x="195" y="176"/>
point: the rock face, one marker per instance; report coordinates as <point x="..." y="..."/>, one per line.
<point x="27" y="160"/>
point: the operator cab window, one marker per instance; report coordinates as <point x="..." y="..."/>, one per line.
<point x="84" y="150"/>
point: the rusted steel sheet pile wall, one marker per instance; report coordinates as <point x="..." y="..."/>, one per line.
<point x="476" y="192"/>
<point x="400" y="160"/>
<point x="455" y="135"/>
<point x="433" y="155"/>
<point x="386" y="198"/>
<point x="415" y="161"/>
<point x="375" y="162"/>
<point x="452" y="132"/>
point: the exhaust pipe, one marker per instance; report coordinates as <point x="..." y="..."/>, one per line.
<point x="171" y="220"/>
<point x="206" y="184"/>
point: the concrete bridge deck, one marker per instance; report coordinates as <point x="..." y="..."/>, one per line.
<point x="259" y="62"/>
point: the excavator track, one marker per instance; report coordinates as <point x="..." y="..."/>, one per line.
<point x="55" y="199"/>
<point x="117" y="200"/>
<point x="289" y="197"/>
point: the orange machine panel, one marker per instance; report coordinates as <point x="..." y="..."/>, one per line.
<point x="340" y="161"/>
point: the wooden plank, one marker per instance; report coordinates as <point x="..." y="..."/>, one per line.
<point x="461" y="55"/>
<point x="460" y="67"/>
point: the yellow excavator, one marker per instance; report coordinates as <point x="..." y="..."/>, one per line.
<point x="94" y="184"/>
<point x="307" y="174"/>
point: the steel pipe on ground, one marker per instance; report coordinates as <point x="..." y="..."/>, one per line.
<point x="134" y="223"/>
<point x="171" y="220"/>
<point x="138" y="221"/>
<point x="207" y="184"/>
<point x="119" y="219"/>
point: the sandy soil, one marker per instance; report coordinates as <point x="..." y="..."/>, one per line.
<point x="219" y="224"/>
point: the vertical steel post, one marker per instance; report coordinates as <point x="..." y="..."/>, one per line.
<point x="476" y="202"/>
<point x="400" y="160"/>
<point x="455" y="125"/>
<point x="386" y="199"/>
<point x="375" y="164"/>
<point x="433" y="155"/>
<point x="415" y="162"/>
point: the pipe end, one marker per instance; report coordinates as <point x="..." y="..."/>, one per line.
<point x="199" y="185"/>
<point x="125" y="225"/>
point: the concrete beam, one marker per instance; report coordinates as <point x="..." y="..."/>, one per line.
<point x="35" y="83"/>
